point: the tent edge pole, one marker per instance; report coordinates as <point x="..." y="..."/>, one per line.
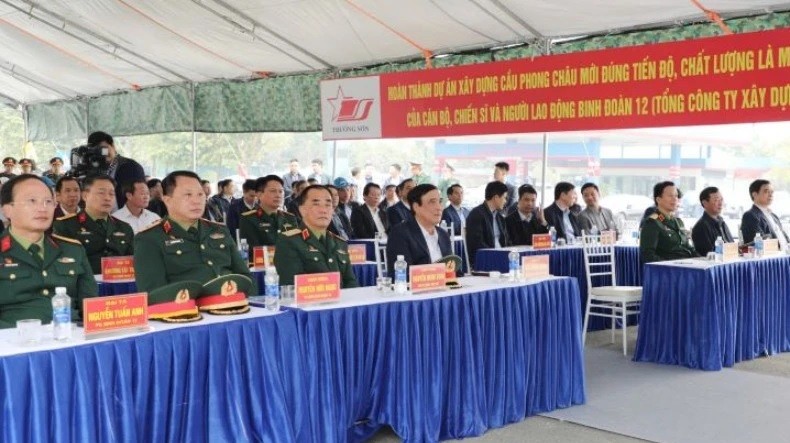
<point x="544" y="164"/>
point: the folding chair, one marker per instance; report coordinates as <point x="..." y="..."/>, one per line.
<point x="613" y="302"/>
<point x="380" y="250"/>
<point x="466" y="251"/>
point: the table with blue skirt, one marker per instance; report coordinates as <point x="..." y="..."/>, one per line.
<point x="365" y="273"/>
<point x="569" y="261"/>
<point x="708" y="316"/>
<point x="370" y="249"/>
<point x="432" y="366"/>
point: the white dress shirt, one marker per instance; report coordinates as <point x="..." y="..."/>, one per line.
<point x="146" y="218"/>
<point x="374" y="211"/>
<point x="433" y="243"/>
<point x="775" y="227"/>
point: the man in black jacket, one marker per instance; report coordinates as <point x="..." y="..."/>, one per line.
<point x="368" y="219"/>
<point x="527" y="219"/>
<point x="559" y="213"/>
<point x="710" y="225"/>
<point x="485" y="226"/>
<point x="760" y="218"/>
<point x="121" y="169"/>
<point x="400" y="212"/>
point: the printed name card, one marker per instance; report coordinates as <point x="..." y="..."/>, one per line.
<point x="608" y="237"/>
<point x="317" y="288"/>
<point x="358" y="253"/>
<point x="260" y="254"/>
<point x="120" y="313"/>
<point x="535" y="266"/>
<point x="771" y="246"/>
<point x="730" y="251"/>
<point x="115" y="269"/>
<point x="430" y="277"/>
<point x="541" y="241"/>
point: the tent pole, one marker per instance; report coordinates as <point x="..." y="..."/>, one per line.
<point x="25" y="124"/>
<point x="194" y="133"/>
<point x="334" y="159"/>
<point x="542" y="190"/>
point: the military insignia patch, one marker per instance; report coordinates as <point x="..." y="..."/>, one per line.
<point x="216" y="236"/>
<point x="311" y="249"/>
<point x="5" y="244"/>
<point x="264" y="225"/>
<point x="119" y="234"/>
<point x="229" y="288"/>
<point x="174" y="241"/>
<point x="67" y="260"/>
<point x="305" y="234"/>
<point x="166" y="226"/>
<point x="82" y="217"/>
<point x="182" y="296"/>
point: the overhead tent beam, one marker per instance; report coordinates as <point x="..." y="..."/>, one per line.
<point x="494" y="17"/>
<point x="12" y="102"/>
<point x="518" y="19"/>
<point x="252" y="30"/>
<point x="462" y="24"/>
<point x="64" y="24"/>
<point x="29" y="79"/>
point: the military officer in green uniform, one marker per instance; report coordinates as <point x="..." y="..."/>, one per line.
<point x="663" y="235"/>
<point x="418" y="175"/>
<point x="313" y="249"/>
<point x="262" y="226"/>
<point x="182" y="245"/>
<point x="448" y="179"/>
<point x="101" y="234"/>
<point x="32" y="263"/>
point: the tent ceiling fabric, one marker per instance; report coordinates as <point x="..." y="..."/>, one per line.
<point x="63" y="49"/>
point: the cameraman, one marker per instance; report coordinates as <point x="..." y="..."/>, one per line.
<point x="121" y="169"/>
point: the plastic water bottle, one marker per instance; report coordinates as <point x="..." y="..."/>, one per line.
<point x="271" y="290"/>
<point x="61" y="314"/>
<point x="758" y="245"/>
<point x="244" y="250"/>
<point x="400" y="275"/>
<point x="513" y="264"/>
<point x="553" y="233"/>
<point x="719" y="249"/>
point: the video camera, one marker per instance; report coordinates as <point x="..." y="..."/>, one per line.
<point x="88" y="160"/>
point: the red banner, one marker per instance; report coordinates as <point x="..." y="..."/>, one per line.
<point x="730" y="79"/>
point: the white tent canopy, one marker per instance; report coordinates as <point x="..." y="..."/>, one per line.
<point x="62" y="49"/>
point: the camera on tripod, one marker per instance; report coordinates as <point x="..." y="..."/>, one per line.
<point x="88" y="160"/>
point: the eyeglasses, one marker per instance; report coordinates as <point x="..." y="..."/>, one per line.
<point x="35" y="203"/>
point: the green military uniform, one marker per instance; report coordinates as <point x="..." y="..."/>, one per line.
<point x="101" y="238"/>
<point x="28" y="281"/>
<point x="421" y="179"/>
<point x="664" y="238"/>
<point x="299" y="251"/>
<point x="165" y="253"/>
<point x="262" y="229"/>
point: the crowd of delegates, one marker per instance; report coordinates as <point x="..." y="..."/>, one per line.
<point x="60" y="228"/>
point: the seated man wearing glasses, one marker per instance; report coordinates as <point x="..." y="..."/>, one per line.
<point x="101" y="234"/>
<point x="32" y="263"/>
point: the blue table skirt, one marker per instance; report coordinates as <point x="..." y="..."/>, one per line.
<point x="445" y="367"/>
<point x="234" y="381"/>
<point x="710" y="318"/>
<point x="365" y="273"/>
<point x="569" y="262"/>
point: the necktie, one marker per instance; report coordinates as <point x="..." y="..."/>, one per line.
<point x="497" y="244"/>
<point x="34" y="250"/>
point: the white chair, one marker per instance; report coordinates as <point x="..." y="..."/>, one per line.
<point x="613" y="302"/>
<point x="466" y="251"/>
<point x="380" y="250"/>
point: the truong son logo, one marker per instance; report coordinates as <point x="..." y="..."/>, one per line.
<point x="347" y="109"/>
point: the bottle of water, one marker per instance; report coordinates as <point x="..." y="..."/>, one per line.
<point x="719" y="249"/>
<point x="61" y="314"/>
<point x="271" y="290"/>
<point x="244" y="250"/>
<point x="553" y="233"/>
<point x="513" y="264"/>
<point x="400" y="275"/>
<point x="758" y="245"/>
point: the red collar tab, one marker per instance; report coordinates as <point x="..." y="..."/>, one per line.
<point x="52" y="242"/>
<point x="166" y="226"/>
<point x="5" y="243"/>
<point x="82" y="217"/>
<point x="260" y="212"/>
<point x="305" y="234"/>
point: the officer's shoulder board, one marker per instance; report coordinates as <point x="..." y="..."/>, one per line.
<point x="292" y="232"/>
<point x="250" y="212"/>
<point x="66" y="239"/>
<point x="287" y="213"/>
<point x="152" y="225"/>
<point x="337" y="237"/>
<point x="654" y="216"/>
<point x="212" y="223"/>
<point x="66" y="217"/>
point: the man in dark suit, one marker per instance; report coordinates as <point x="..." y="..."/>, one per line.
<point x="68" y="195"/>
<point x="559" y="215"/>
<point x="340" y="225"/>
<point x="155" y="204"/>
<point x="368" y="219"/>
<point x="760" y="218"/>
<point x="293" y="175"/>
<point x="527" y="219"/>
<point x="454" y="213"/>
<point x="238" y="206"/>
<point x="710" y="225"/>
<point x="346" y="204"/>
<point x="121" y="169"/>
<point x="501" y="172"/>
<point x="399" y="212"/>
<point x="417" y="239"/>
<point x="485" y="226"/>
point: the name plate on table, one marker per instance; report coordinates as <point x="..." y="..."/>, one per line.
<point x="114" y="315"/>
<point x="771" y="246"/>
<point x="317" y="288"/>
<point x="730" y="251"/>
<point x="358" y="253"/>
<point x="608" y="237"/>
<point x="259" y="254"/>
<point x="430" y="277"/>
<point x="115" y="269"/>
<point x="535" y="266"/>
<point x="541" y="241"/>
